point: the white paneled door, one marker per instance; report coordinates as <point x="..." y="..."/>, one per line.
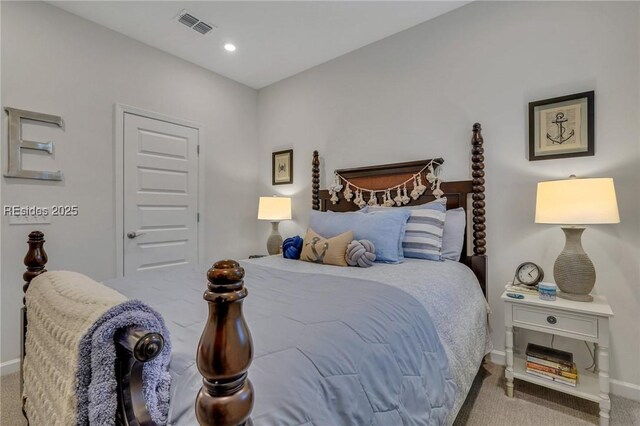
<point x="160" y="194"/>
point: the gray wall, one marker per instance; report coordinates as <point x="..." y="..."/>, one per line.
<point x="416" y="95"/>
<point x="58" y="63"/>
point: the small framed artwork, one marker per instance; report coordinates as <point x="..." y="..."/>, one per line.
<point x="282" y="167"/>
<point x="562" y="127"/>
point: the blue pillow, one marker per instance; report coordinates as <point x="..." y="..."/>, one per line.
<point x="423" y="238"/>
<point x="453" y="234"/>
<point x="385" y="229"/>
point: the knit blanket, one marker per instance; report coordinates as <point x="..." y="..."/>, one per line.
<point x="70" y="352"/>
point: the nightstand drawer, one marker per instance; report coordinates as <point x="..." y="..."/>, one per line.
<point x="552" y="319"/>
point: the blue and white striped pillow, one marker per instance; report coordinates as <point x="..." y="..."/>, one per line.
<point x="423" y="234"/>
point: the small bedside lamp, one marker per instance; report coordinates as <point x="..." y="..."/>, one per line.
<point x="576" y="202"/>
<point x="274" y="209"/>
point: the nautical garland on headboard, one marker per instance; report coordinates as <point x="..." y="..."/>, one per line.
<point x="402" y="196"/>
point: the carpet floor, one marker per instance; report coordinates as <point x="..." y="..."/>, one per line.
<point x="486" y="404"/>
<point x="534" y="405"/>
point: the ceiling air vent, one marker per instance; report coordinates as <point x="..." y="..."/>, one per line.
<point x="202" y="28"/>
<point x="188" y="19"/>
<point x="194" y="23"/>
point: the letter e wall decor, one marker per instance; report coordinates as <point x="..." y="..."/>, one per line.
<point x="16" y="144"/>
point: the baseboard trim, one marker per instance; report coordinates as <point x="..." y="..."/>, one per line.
<point x="625" y="389"/>
<point x="617" y="387"/>
<point x="498" y="357"/>
<point x="10" y="367"/>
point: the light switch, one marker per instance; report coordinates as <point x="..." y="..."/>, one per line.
<point x="29" y="220"/>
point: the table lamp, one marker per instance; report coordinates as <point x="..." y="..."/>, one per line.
<point x="274" y="209"/>
<point x="576" y="202"/>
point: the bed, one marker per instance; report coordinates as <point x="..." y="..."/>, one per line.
<point x="328" y="345"/>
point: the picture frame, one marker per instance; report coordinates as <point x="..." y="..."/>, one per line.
<point x="282" y="167"/>
<point x="562" y="127"/>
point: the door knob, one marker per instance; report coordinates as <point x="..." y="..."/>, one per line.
<point x="132" y="235"/>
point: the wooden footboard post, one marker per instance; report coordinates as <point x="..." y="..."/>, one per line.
<point x="35" y="261"/>
<point x="315" y="181"/>
<point x="225" y="351"/>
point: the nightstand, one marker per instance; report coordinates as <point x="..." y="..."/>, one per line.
<point x="587" y="321"/>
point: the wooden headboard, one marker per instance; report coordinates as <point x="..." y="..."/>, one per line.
<point x="457" y="193"/>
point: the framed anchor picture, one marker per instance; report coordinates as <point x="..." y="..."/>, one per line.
<point x="562" y="127"/>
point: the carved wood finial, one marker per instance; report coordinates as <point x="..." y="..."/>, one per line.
<point x="225" y="350"/>
<point x="315" y="181"/>
<point x="477" y="166"/>
<point x="35" y="260"/>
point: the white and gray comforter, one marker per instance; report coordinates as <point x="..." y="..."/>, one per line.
<point x="387" y="345"/>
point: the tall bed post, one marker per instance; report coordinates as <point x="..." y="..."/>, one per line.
<point x="315" y="181"/>
<point x="479" y="259"/>
<point x="225" y="351"/>
<point x="35" y="261"/>
<point x="477" y="165"/>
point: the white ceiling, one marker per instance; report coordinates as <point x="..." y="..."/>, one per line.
<point x="274" y="39"/>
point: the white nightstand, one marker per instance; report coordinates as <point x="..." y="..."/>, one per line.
<point x="588" y="321"/>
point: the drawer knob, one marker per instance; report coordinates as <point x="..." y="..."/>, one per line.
<point x="551" y="319"/>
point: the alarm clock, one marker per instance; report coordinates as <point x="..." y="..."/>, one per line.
<point x="529" y="274"/>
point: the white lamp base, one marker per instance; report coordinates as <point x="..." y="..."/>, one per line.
<point x="576" y="297"/>
<point x="274" y="242"/>
<point x="573" y="271"/>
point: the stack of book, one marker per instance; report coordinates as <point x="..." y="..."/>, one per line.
<point x="551" y="364"/>
<point x="521" y="288"/>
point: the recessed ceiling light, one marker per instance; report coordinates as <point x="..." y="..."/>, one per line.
<point x="230" y="47"/>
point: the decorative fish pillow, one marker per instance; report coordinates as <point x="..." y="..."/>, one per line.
<point x="327" y="251"/>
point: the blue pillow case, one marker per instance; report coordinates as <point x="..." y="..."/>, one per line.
<point x="453" y="234"/>
<point x="423" y="238"/>
<point x="385" y="229"/>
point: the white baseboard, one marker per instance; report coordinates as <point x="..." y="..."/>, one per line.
<point x="10" y="367"/>
<point x="625" y="389"/>
<point x="498" y="357"/>
<point x="617" y="387"/>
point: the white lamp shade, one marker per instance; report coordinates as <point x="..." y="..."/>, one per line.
<point x="577" y="202"/>
<point x="274" y="208"/>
